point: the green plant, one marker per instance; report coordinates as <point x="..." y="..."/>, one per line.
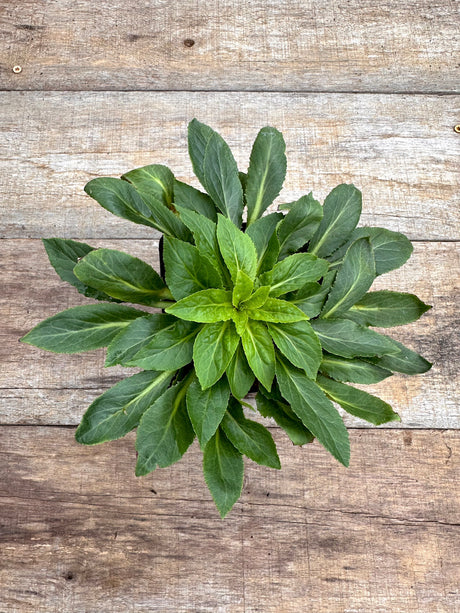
<point x="281" y="307"/>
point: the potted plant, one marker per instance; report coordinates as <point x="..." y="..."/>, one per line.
<point x="278" y="304"/>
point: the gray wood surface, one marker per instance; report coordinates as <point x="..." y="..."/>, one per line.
<point x="401" y="151"/>
<point x="301" y="45"/>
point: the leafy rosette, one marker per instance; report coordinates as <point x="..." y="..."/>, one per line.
<point x="279" y="305"/>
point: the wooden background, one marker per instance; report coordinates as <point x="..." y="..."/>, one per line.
<point x="364" y="92"/>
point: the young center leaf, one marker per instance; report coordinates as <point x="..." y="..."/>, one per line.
<point x="213" y="349"/>
<point x="237" y="249"/>
<point x="206" y="408"/>
<point x="206" y="306"/>
<point x="276" y="310"/>
<point x="386" y="309"/>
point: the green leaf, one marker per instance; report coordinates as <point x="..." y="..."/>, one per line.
<point x="215" y="167"/>
<point x="250" y="438"/>
<point x="237" y="249"/>
<point x="285" y="418"/>
<point x="263" y="235"/>
<point x="259" y="351"/>
<point x="214" y="348"/>
<point x="154" y="180"/>
<point x="278" y="311"/>
<point x="352" y="370"/>
<point x="123" y="276"/>
<point x="242" y="289"/>
<point x="258" y="298"/>
<point x="206" y="408"/>
<point x="188" y="197"/>
<point x="81" y="328"/>
<point x="299" y="224"/>
<point x="135" y="336"/>
<point x="316" y="411"/>
<point x="266" y="173"/>
<point x="293" y="272"/>
<point x="386" y="309"/>
<point x="239" y="375"/>
<point x="240" y="319"/>
<point x="391" y="249"/>
<point x="64" y="254"/>
<point x="203" y="230"/>
<point x="309" y="298"/>
<point x="223" y="471"/>
<point x="405" y="360"/>
<point x="341" y="213"/>
<point x="169" y="349"/>
<point x="348" y="339"/>
<point x="206" y="306"/>
<point x="120" y="408"/>
<point x="165" y="432"/>
<point x="353" y="279"/>
<point x="358" y="403"/>
<point x="187" y="271"/>
<point x="298" y="342"/>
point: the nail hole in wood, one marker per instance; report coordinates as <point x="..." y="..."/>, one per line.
<point x="189" y="42"/>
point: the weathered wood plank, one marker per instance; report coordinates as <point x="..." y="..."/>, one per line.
<point x="45" y="388"/>
<point x="80" y="533"/>
<point x="400" y="150"/>
<point x="296" y="45"/>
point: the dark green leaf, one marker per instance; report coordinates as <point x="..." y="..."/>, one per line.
<point x="237" y="249"/>
<point x="192" y="199"/>
<point x="123" y="276"/>
<point x="386" y="309"/>
<point x="214" y="348"/>
<point x="223" y="471"/>
<point x="353" y="279"/>
<point x="299" y="225"/>
<point x="81" y="328"/>
<point x="267" y="169"/>
<point x="309" y="298"/>
<point x="239" y="375"/>
<point x="169" y="349"/>
<point x="206" y="408"/>
<point x="278" y="311"/>
<point x="293" y="272"/>
<point x="341" y="213"/>
<point x="348" y="339"/>
<point x="154" y="180"/>
<point x="315" y="410"/>
<point x="250" y="438"/>
<point x="206" y="306"/>
<point x="263" y="235"/>
<point x="405" y="360"/>
<point x="120" y="408"/>
<point x="358" y="403"/>
<point x="353" y="370"/>
<point x="298" y="342"/>
<point x="285" y="418"/>
<point x="259" y="351"/>
<point x="203" y="230"/>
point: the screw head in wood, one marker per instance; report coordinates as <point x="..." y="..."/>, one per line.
<point x="457" y="128"/>
<point x="17" y="69"/>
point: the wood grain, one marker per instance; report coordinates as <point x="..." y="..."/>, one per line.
<point x="301" y="45"/>
<point x="45" y="388"/>
<point x="401" y="151"/>
<point x="80" y="533"/>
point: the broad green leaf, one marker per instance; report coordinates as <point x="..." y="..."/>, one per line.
<point x="215" y="167"/>
<point x="192" y="199"/>
<point x="223" y="471"/>
<point x="278" y="311"/>
<point x="264" y="237"/>
<point x="64" y="254"/>
<point x="298" y="342"/>
<point x="203" y="230"/>
<point x="135" y="336"/>
<point x="187" y="271"/>
<point x="299" y="224"/>
<point x="266" y="173"/>
<point x="206" y="408"/>
<point x="81" y="328"/>
<point x="259" y="351"/>
<point x="348" y="339"/>
<point x="240" y="319"/>
<point x="120" y="408"/>
<point x="391" y="249"/>
<point x="242" y="289"/>
<point x="250" y="438"/>
<point x="165" y="432"/>
<point x="293" y="272"/>
<point x="258" y="298"/>
<point x="154" y="180"/>
<point x="386" y="309"/>
<point x="315" y="410"/>
<point x="206" y="306"/>
<point x="341" y="213"/>
<point x="123" y="276"/>
<point x="214" y="348"/>
<point x="170" y="348"/>
<point x="311" y="296"/>
<point x="285" y="418"/>
<point x="405" y="360"/>
<point x="353" y="279"/>
<point x="239" y="375"/>
<point x="358" y="403"/>
<point x="353" y="370"/>
<point x="237" y="249"/>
